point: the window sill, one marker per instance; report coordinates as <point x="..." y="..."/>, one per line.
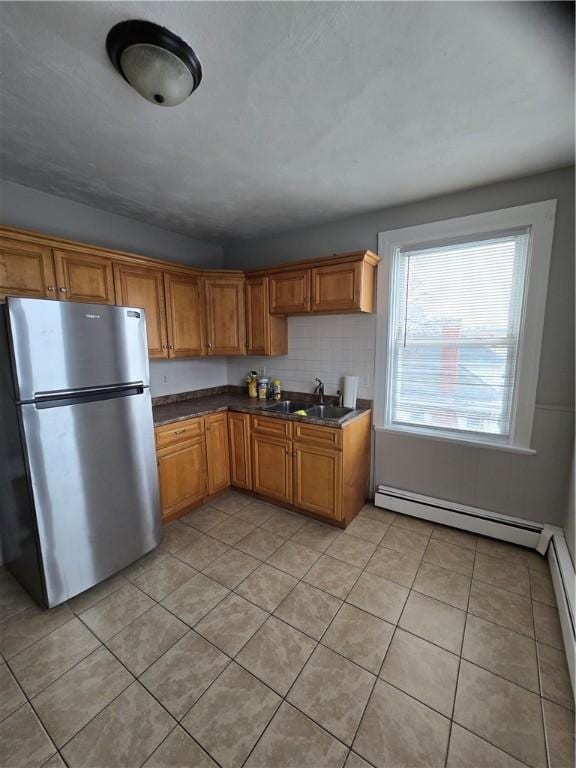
<point x="484" y="444"/>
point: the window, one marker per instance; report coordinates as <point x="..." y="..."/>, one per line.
<point x="463" y="329"/>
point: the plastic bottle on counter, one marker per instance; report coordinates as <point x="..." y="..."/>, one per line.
<point x="262" y="389"/>
<point x="277" y="385"/>
<point x="252" y="381"/>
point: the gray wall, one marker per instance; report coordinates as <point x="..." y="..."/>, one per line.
<point x="570" y="513"/>
<point x="30" y="209"/>
<point x="528" y="486"/>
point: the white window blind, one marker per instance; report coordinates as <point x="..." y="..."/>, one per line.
<point x="454" y="337"/>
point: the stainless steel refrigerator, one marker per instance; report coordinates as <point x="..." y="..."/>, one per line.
<point x="78" y="480"/>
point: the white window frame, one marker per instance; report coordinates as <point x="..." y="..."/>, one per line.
<point x="539" y="217"/>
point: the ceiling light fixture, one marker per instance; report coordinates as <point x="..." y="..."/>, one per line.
<point x="156" y="62"/>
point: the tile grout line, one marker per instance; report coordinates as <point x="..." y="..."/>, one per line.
<point x="298" y="580"/>
<point x="150" y="693"/>
<point x="284" y="697"/>
<point x="457" y="683"/>
<point x="541" y="698"/>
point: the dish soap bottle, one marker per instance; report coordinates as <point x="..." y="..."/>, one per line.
<point x="277" y="385"/>
<point x="252" y="381"/>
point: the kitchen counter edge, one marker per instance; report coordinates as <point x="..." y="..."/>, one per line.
<point x="172" y="413"/>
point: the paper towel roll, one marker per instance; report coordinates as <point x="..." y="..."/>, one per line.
<point x="350" y="391"/>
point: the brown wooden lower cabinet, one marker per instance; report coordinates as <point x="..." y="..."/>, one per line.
<point x="240" y="451"/>
<point x="272" y="467"/>
<point x="320" y="470"/>
<point x="318" y="479"/>
<point x="217" y="452"/>
<point x="193" y="462"/>
<point x="182" y="475"/>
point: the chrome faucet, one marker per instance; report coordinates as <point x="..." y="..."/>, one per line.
<point x="340" y="398"/>
<point x="319" y="390"/>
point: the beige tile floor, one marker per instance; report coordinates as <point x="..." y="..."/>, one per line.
<point x="257" y="637"/>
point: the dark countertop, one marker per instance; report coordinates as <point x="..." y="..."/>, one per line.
<point x="171" y="412"/>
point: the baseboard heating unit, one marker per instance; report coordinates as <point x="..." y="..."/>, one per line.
<point x="546" y="539"/>
<point x="512" y="529"/>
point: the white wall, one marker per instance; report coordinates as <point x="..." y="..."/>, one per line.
<point x="168" y="377"/>
<point x="327" y="347"/>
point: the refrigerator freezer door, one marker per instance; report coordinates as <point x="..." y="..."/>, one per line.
<point x="94" y="482"/>
<point x="60" y="346"/>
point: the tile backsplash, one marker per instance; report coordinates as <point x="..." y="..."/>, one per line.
<point x="167" y="377"/>
<point x="326" y="346"/>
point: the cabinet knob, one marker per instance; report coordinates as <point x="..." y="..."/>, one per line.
<point x="62" y="290"/>
<point x="210" y="345"/>
<point x="171" y="346"/>
<point x="164" y="346"/>
<point x="49" y="287"/>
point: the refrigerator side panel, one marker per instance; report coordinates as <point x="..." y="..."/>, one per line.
<point x="18" y="533"/>
<point x="61" y="346"/>
<point x="95" y="487"/>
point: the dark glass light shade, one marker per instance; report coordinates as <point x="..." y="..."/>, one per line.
<point x="156" y="63"/>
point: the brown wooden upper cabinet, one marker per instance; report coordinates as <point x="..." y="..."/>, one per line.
<point x="185" y="315"/>
<point x="84" y="277"/>
<point x="338" y="287"/>
<point x="344" y="283"/>
<point x="26" y="269"/>
<point x="290" y="292"/>
<point x="143" y="287"/>
<point x="225" y="315"/>
<point x="266" y="334"/>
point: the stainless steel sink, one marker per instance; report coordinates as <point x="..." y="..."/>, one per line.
<point x="334" y="412"/>
<point x="287" y="406"/>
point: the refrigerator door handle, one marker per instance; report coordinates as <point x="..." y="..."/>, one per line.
<point x="86" y="391"/>
<point x="57" y="400"/>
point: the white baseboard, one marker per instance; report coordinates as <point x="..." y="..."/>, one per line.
<point x="512" y="529"/>
<point x="564" y="579"/>
<point x="546" y="539"/>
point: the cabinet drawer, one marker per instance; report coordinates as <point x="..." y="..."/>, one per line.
<point x="178" y="432"/>
<point x="268" y="425"/>
<point x="314" y="434"/>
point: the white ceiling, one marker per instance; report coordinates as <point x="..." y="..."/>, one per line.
<point x="307" y="111"/>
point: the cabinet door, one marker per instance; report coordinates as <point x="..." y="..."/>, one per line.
<point x="290" y="292"/>
<point x="185" y="313"/>
<point x="272" y="468"/>
<point x="26" y="269"/>
<point x="182" y="475"/>
<point x="240" y="463"/>
<point x="225" y="318"/>
<point x="266" y="334"/>
<point x="142" y="287"/>
<point x="318" y="480"/>
<point x="218" y="454"/>
<point x="84" y="277"/>
<point x="337" y="287"/>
